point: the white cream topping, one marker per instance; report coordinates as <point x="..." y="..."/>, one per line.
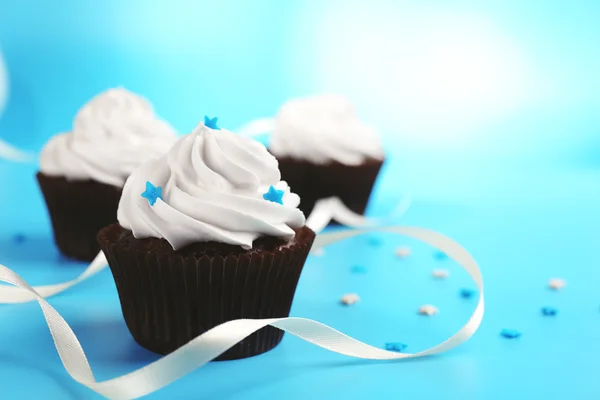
<point x="212" y="183"/>
<point x="323" y="129"/>
<point x="112" y="135"/>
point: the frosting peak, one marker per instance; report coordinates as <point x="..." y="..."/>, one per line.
<point x="323" y="129"/>
<point x="112" y="134"/>
<point x="212" y="183"/>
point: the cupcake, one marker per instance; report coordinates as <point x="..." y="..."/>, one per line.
<point x="82" y="172"/>
<point x="206" y="234"/>
<point x="325" y="150"/>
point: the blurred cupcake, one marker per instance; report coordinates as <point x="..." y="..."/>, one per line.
<point x="325" y="150"/>
<point x="208" y="233"/>
<point x="82" y="172"/>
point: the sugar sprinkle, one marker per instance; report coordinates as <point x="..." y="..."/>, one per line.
<point x="440" y="273"/>
<point x="403" y="252"/>
<point x="349" y="299"/>
<point x="428" y="310"/>
<point x="556" y="283"/>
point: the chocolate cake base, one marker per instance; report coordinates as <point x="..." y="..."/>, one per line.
<point x="78" y="210"/>
<point x="312" y="182"/>
<point x="169" y="297"/>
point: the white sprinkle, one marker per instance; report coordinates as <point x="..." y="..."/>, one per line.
<point x="349" y="299"/>
<point x="318" y="252"/>
<point x="556" y="283"/>
<point x="428" y="309"/>
<point x="403" y="252"/>
<point x="440" y="273"/>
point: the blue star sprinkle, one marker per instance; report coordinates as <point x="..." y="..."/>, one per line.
<point x="274" y="195"/>
<point x="211" y="122"/>
<point x="395" y="346"/>
<point x="19" y="238"/>
<point x="152" y="193"/>
<point x="510" y="334"/>
<point x="466" y="293"/>
<point x="440" y="255"/>
<point x="358" y="269"/>
<point x="549" y="311"/>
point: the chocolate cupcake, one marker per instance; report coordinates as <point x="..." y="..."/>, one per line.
<point x="82" y="172"/>
<point x="325" y="150"/>
<point x="207" y="233"/>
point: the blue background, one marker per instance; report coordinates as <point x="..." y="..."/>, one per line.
<point x="490" y="113"/>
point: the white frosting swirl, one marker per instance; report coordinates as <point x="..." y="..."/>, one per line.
<point x="112" y="135"/>
<point x="212" y="183"/>
<point x="323" y="129"/>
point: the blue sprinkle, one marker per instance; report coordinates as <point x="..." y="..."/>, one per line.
<point x="395" y="346"/>
<point x="274" y="195"/>
<point x="440" y="255"/>
<point x="510" y="333"/>
<point x="549" y="311"/>
<point x="19" y="238"/>
<point x="358" y="269"/>
<point x="152" y="193"/>
<point x="211" y="122"/>
<point x="467" y="293"/>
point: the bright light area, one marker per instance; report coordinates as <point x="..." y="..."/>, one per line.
<point x="433" y="75"/>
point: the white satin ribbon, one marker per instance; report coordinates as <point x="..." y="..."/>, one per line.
<point x="257" y="127"/>
<point x="11" y="153"/>
<point x="333" y="208"/>
<point x="322" y="214"/>
<point x="211" y="344"/>
<point x="12" y="295"/>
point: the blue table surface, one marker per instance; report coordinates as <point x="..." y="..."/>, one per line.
<point x="519" y="245"/>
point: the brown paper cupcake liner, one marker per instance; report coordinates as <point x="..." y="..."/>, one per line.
<point x="170" y="297"/>
<point x="312" y="182"/>
<point x="78" y="210"/>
